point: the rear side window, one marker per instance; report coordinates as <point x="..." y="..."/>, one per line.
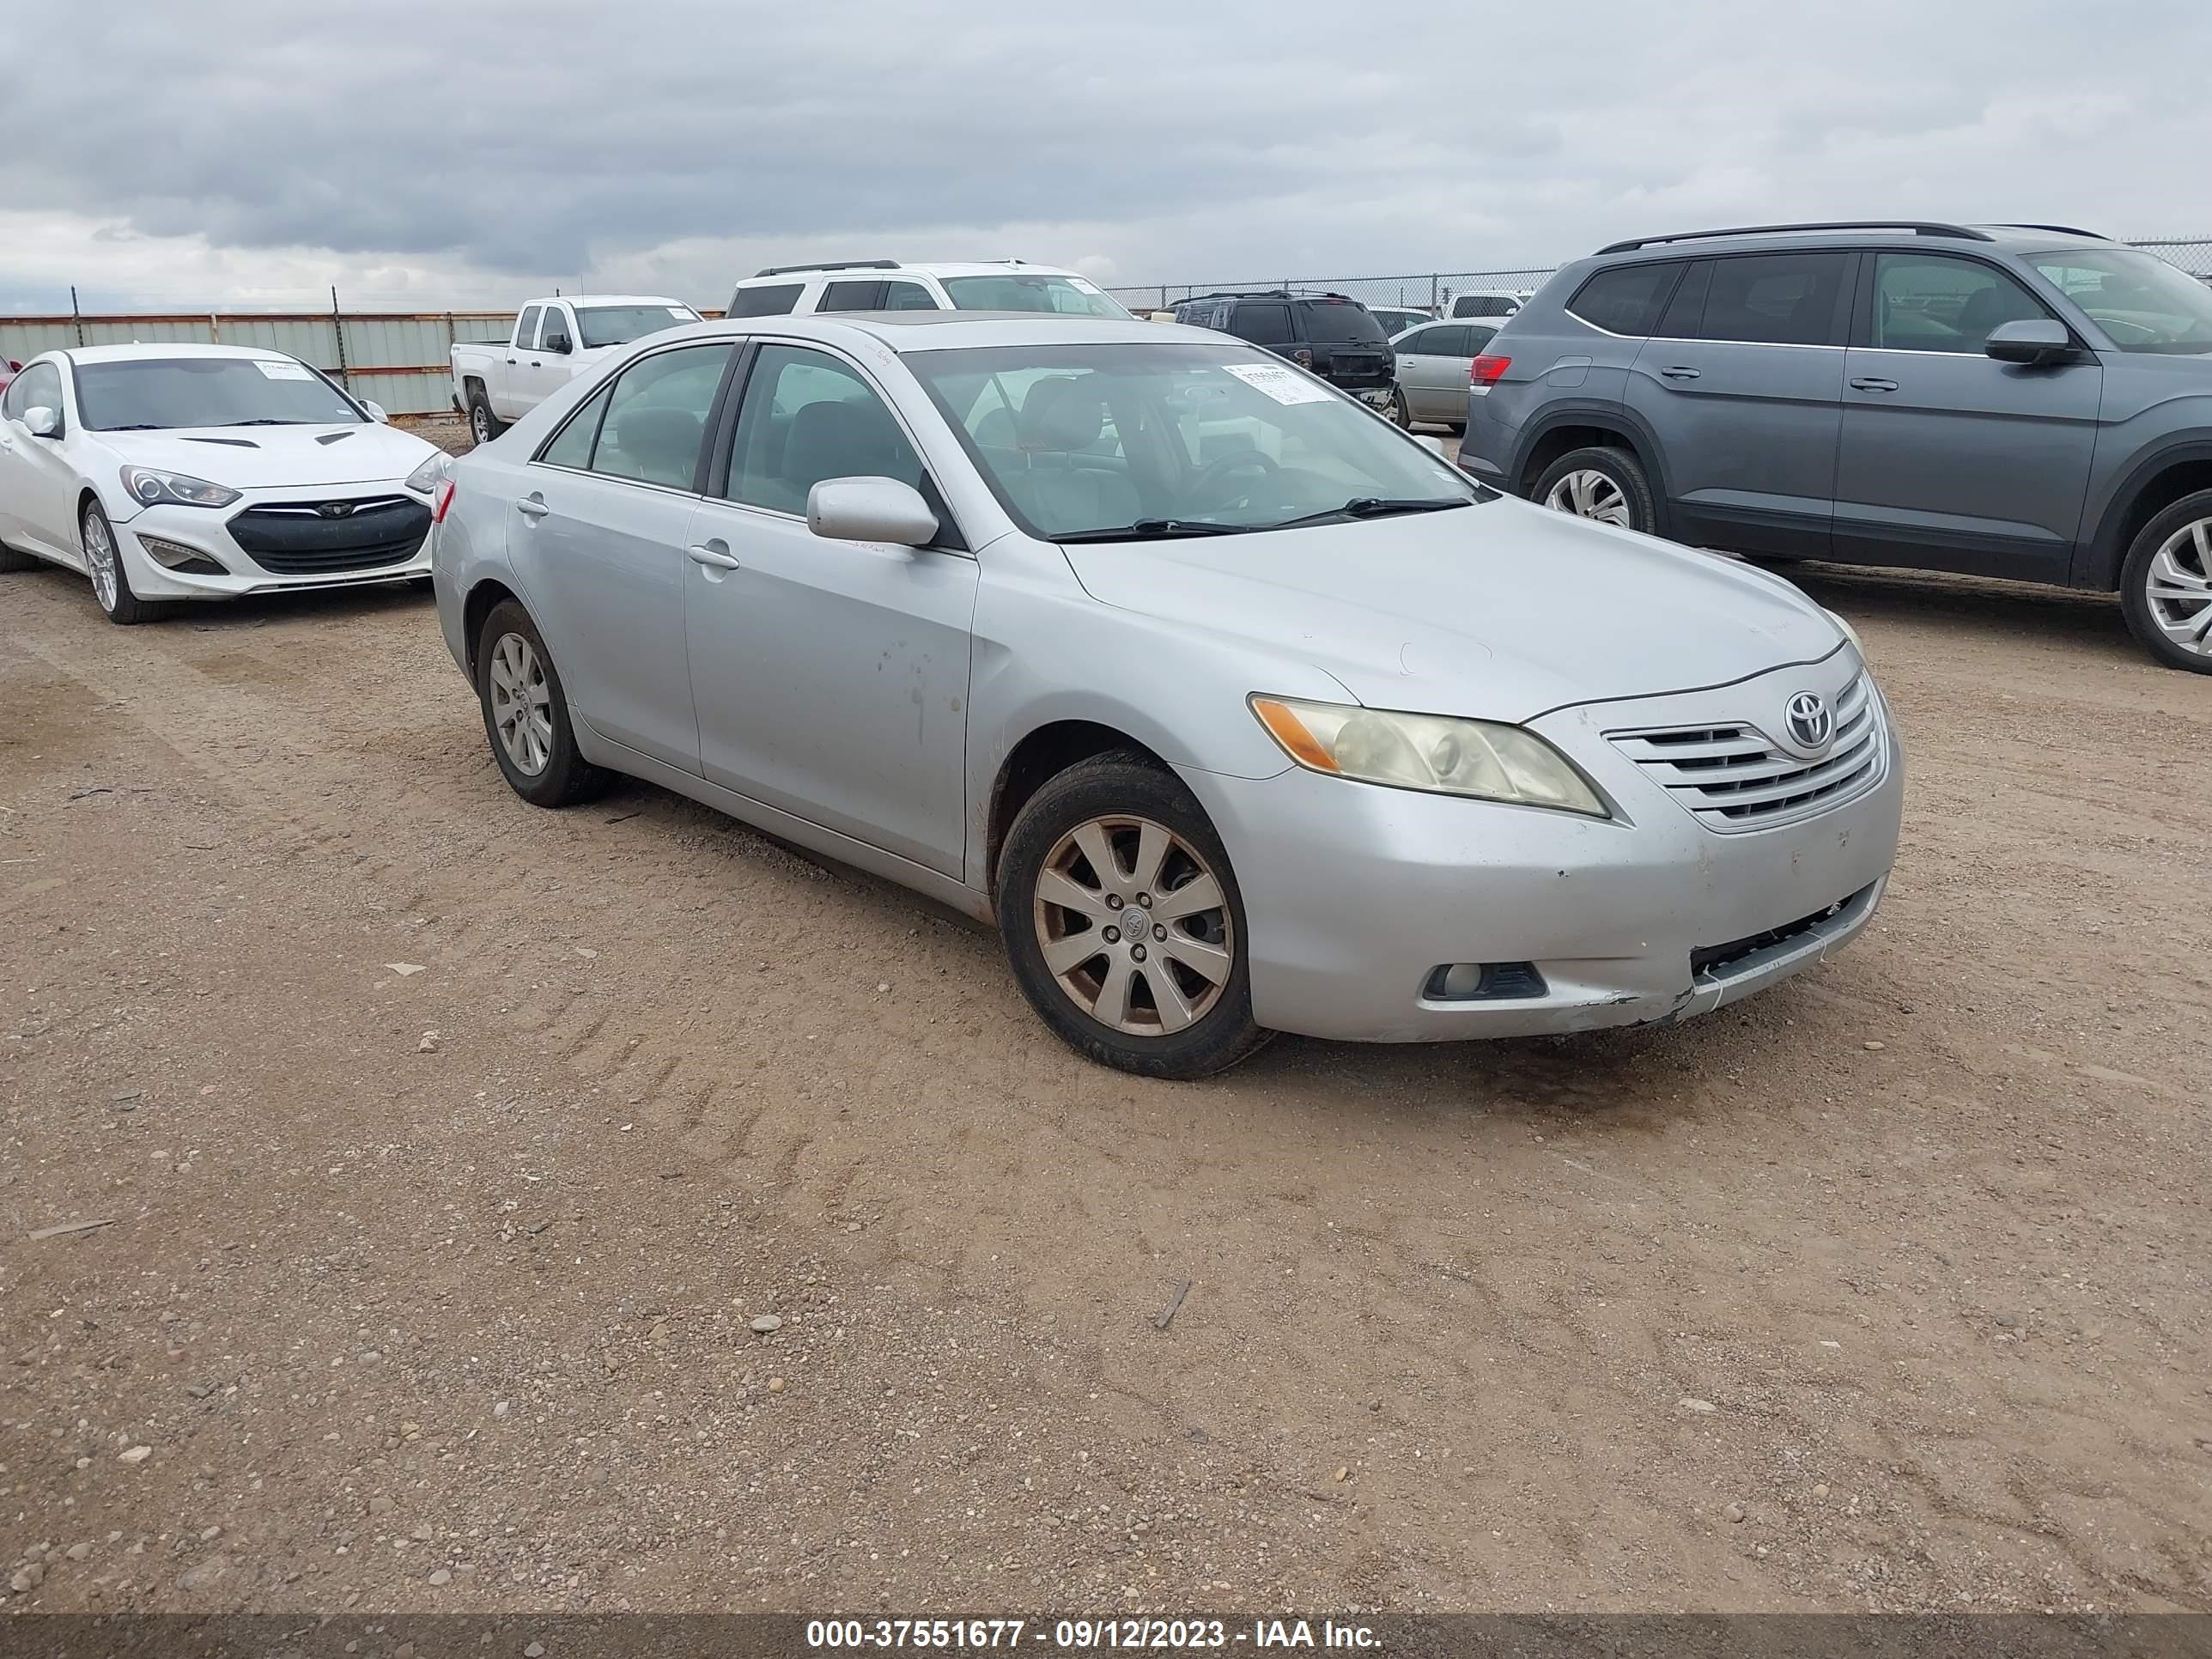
<point x="1774" y="298"/>
<point x="572" y="445"/>
<point x="1685" y="311"/>
<point x="1269" y="325"/>
<point x="852" y="296"/>
<point x="774" y="301"/>
<point x="656" y="420"/>
<point x="1625" y="300"/>
<point x="1334" y="320"/>
<point x="525" y="328"/>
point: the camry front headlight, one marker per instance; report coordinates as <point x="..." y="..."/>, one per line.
<point x="1434" y="753"/>
<point x="424" y="478"/>
<point x="152" y="487"/>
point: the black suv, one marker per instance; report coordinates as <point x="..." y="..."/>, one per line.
<point x="1338" y="338"/>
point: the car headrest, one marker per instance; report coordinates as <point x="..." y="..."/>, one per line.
<point x="665" y="441"/>
<point x="839" y="439"/>
<point x="1062" y="413"/>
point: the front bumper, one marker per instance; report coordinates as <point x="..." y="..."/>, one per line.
<point x="1354" y="895"/>
<point x="208" y="531"/>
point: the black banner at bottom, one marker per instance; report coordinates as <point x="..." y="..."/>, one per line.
<point x="777" y="1636"/>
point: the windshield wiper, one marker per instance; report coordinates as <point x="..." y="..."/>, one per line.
<point x="1154" y="530"/>
<point x="1374" y="507"/>
<point x="271" y="420"/>
<point x="136" y="426"/>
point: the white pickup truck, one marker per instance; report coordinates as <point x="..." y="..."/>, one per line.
<point x="496" y="383"/>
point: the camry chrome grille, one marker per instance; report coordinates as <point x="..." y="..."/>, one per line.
<point x="1735" y="777"/>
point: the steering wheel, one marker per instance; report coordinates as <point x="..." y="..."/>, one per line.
<point x="1221" y="467"/>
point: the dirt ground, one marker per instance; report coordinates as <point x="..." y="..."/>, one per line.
<point x="451" y="1150"/>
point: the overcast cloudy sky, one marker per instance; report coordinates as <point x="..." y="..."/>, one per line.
<point x="192" y="152"/>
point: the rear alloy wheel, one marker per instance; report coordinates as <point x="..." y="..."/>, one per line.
<point x="484" y="425"/>
<point x="103" y="565"/>
<point x="1603" y="483"/>
<point x="2166" y="587"/>
<point x="1124" y="923"/>
<point x="1401" y="413"/>
<point x="525" y="713"/>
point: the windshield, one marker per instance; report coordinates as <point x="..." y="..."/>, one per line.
<point x="1176" y="438"/>
<point x="183" y="391"/>
<point x="1065" y="296"/>
<point x="2143" y="303"/>
<point x="606" y="325"/>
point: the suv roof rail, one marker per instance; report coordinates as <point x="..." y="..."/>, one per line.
<point x="827" y="265"/>
<point x="1917" y="226"/>
<point x="2062" y="230"/>
<point x="1237" y="294"/>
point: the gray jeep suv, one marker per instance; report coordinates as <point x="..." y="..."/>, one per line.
<point x="2026" y="401"/>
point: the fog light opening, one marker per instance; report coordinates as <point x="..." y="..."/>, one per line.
<point x="187" y="560"/>
<point x="1481" y="982"/>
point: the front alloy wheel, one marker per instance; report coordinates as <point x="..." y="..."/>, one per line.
<point x="2166" y="585"/>
<point x="1134" y="927"/>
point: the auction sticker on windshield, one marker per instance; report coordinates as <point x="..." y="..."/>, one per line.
<point x="276" y="371"/>
<point x="1285" y="385"/>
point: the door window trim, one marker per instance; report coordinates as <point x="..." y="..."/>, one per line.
<point x="1862" y="331"/>
<point x="710" y="426"/>
<point x="721" y="443"/>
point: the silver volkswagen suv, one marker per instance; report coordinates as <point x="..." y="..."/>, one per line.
<point x="2026" y="401"/>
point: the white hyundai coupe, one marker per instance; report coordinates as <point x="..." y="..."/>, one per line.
<point x="205" y="472"/>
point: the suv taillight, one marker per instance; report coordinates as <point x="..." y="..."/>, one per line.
<point x="442" y="502"/>
<point x="1485" y="373"/>
<point x="1302" y="355"/>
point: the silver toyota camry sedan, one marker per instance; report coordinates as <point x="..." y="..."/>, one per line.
<point x="1235" y="708"/>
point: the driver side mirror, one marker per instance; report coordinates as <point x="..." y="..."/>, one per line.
<point x="42" y="423"/>
<point x="375" y="411"/>
<point x="2036" y="340"/>
<point x="559" y="344"/>
<point x="869" y="510"/>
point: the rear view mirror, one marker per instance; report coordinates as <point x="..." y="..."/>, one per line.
<point x="42" y="423"/>
<point x="2030" y="340"/>
<point x="869" y="510"/>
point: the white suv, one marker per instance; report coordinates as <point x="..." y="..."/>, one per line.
<point x="887" y="285"/>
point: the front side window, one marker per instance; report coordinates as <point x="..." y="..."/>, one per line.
<point x="613" y="326"/>
<point x="39" y="386"/>
<point x="1773" y="299"/>
<point x="1262" y="324"/>
<point x="1929" y="302"/>
<point x="2142" y="302"/>
<point x="656" y="417"/>
<point x="1124" y="442"/>
<point x="1065" y="296"/>
<point x="775" y="300"/>
<point x="806" y="416"/>
<point x="553" y="325"/>
<point x="1625" y="299"/>
<point x="525" y="328"/>
<point x="161" y="392"/>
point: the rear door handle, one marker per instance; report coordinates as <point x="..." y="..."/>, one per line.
<point x="713" y="555"/>
<point x="1873" y="383"/>
<point x="532" y="507"/>
<point x="1680" y="373"/>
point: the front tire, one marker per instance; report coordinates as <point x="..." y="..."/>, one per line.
<point x="1601" y="483"/>
<point x="103" y="565"/>
<point x="525" y="713"/>
<point x="2166" y="586"/>
<point x="1167" y="995"/>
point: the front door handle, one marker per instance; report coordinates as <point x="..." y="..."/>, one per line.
<point x="1873" y="383"/>
<point x="532" y="507"/>
<point x="1680" y="372"/>
<point x="713" y="555"/>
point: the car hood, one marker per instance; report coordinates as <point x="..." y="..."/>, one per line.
<point x="276" y="457"/>
<point x="1501" y="610"/>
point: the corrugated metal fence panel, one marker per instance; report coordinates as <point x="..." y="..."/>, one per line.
<point x="22" y="339"/>
<point x="308" y="338"/>
<point x="408" y="392"/>
<point x="145" y="330"/>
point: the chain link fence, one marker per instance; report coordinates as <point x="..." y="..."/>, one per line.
<point x="1434" y="291"/>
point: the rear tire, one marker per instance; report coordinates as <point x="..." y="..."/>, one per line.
<point x="1604" y="483"/>
<point x="105" y="569"/>
<point x="525" y="713"/>
<point x="2168" y="571"/>
<point x="484" y="425"/>
<point x="1167" y="996"/>
<point x="1401" y="413"/>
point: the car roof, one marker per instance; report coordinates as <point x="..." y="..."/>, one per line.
<point x="906" y="332"/>
<point x="2011" y="239"/>
<point x="612" y="300"/>
<point x="872" y="271"/>
<point x="153" y="350"/>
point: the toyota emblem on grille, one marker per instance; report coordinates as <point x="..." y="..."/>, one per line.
<point x="343" y="510"/>
<point x="1812" y="723"/>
